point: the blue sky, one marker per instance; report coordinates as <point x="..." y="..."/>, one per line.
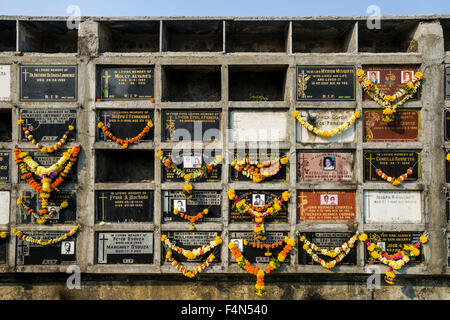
<point x="221" y="8"/>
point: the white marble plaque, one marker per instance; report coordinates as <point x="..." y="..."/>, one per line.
<point x="392" y="207"/>
<point x="325" y="120"/>
<point x="5" y="82"/>
<point x="270" y="126"/>
<point x="4" y="207"/>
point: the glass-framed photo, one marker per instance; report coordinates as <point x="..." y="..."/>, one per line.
<point x="329" y="199"/>
<point x="180" y="205"/>
<point x="239" y="243"/>
<point x="68" y="247"/>
<point x="374" y="76"/>
<point x="191" y="162"/>
<point x="407" y="76"/>
<point x="258" y="200"/>
<point x="328" y="163"/>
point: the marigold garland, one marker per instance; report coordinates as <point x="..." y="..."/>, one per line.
<point x="186" y="272"/>
<point x="204" y="172"/>
<point x="274" y="264"/>
<point x="42" y="148"/>
<point x="24" y="237"/>
<point x="272" y="208"/>
<point x="390" y="103"/>
<point x="258" y="171"/>
<point x="395" y="261"/>
<point x="448" y="157"/>
<point x="264" y="246"/>
<point x="191" y="219"/>
<point x="329" y="133"/>
<point x="125" y="142"/>
<point x="192" y="254"/>
<point x="41" y="218"/>
<point x="394" y="181"/>
<point x="338" y="253"/>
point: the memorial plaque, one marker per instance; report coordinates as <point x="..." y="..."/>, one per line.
<point x="125" y="124"/>
<point x="447" y="171"/>
<point x="124" y="247"/>
<point x="447" y="204"/>
<point x="448" y="248"/>
<point x="67" y="215"/>
<point x="255" y="255"/>
<point x="190" y="161"/>
<point x="260" y="156"/>
<point x="447" y="82"/>
<point x="210" y="200"/>
<point x="48" y="125"/>
<point x="124" y="206"/>
<point x="325" y="166"/>
<point x="258" y="199"/>
<point x="393" y="164"/>
<point x="326" y="206"/>
<point x="125" y="83"/>
<point x="447" y="123"/>
<point x="3" y="250"/>
<point x="260" y="125"/>
<point x="326" y="83"/>
<point x="48" y="83"/>
<point x="5" y="170"/>
<point x="392" y="206"/>
<point x="325" y="120"/>
<point x="190" y="240"/>
<point x="61" y="253"/>
<point x="391" y="242"/>
<point x="5" y="82"/>
<point x="405" y="127"/>
<point x="189" y="125"/>
<point x="49" y="159"/>
<point x="328" y="241"/>
<point x="390" y="80"/>
<point x="4" y="207"/>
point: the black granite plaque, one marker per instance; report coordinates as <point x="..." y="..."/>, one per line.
<point x="190" y="240"/>
<point x="61" y="253"/>
<point x="447" y="204"/>
<point x="393" y="164"/>
<point x="189" y="161"/>
<point x="48" y="83"/>
<point x="125" y="124"/>
<point x="326" y="83"/>
<point x="447" y="171"/>
<point x="258" y="198"/>
<point x="254" y="254"/>
<point x="5" y="170"/>
<point x="447" y="124"/>
<point x="48" y="125"/>
<point x="210" y="200"/>
<point x="3" y="250"/>
<point x="260" y="156"/>
<point x="189" y="125"/>
<point x="122" y="247"/>
<point x="328" y="241"/>
<point x="124" y="206"/>
<point x="391" y="242"/>
<point x="447" y="82"/>
<point x="125" y="83"/>
<point x="66" y="215"/>
<point x="448" y="248"/>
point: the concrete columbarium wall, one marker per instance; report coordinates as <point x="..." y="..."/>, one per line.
<point x="218" y="63"/>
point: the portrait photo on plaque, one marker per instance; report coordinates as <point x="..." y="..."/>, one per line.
<point x="325" y="166"/>
<point x="191" y="125"/>
<point x="392" y="242"/>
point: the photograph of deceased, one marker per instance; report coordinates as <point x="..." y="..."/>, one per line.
<point x="406" y="76"/>
<point x="180" y="205"/>
<point x="259" y="200"/>
<point x="328" y="163"/>
<point x="67" y="247"/>
<point x="329" y="199"/>
<point x="374" y="76"/>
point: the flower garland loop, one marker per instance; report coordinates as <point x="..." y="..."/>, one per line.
<point x="24" y="237"/>
<point x="124" y="143"/>
<point x="330" y="133"/>
<point x="390" y="103"/>
<point x="41" y="218"/>
<point x="191" y="219"/>
<point x="258" y="171"/>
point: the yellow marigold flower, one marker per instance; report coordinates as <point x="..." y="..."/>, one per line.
<point x="423" y="239"/>
<point x="257" y="230"/>
<point x="100" y="125"/>
<point x="286" y="195"/>
<point x="258" y="220"/>
<point x="245" y="242"/>
<point x="410" y="85"/>
<point x="218" y="240"/>
<point x="187" y="187"/>
<point x="3" y="235"/>
<point x="415" y="252"/>
<point x="375" y="254"/>
<point x="419" y="75"/>
<point x="168" y="255"/>
<point x="150" y="123"/>
<point x="239" y="259"/>
<point x="187" y="177"/>
<point x="219" y="158"/>
<point x="160" y="154"/>
<point x="240" y="204"/>
<point x="231" y="245"/>
<point x="290" y="242"/>
<point x="284" y="160"/>
<point x="448" y="157"/>
<point x="295" y="114"/>
<point x="20" y="121"/>
<point x="19" y="201"/>
<point x="163" y="237"/>
<point x="64" y="204"/>
<point x="205" y="211"/>
<point x="191" y="227"/>
<point x="395" y="182"/>
<point x="71" y="128"/>
<point x="41" y="221"/>
<point x="231" y="194"/>
<point x="367" y="83"/>
<point x="390" y="274"/>
<point x="371" y="247"/>
<point x="360" y="73"/>
<point x="175" y="211"/>
<point x="260" y="273"/>
<point x="326" y="134"/>
<point x="302" y="238"/>
<point x="305" y="247"/>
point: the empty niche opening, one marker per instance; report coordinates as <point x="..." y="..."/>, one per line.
<point x="446" y="29"/>
<point x="7" y="35"/>
<point x="124" y="166"/>
<point x="191" y="83"/>
<point x="129" y="36"/>
<point x="47" y="37"/>
<point x="322" y="36"/>
<point x="5" y="125"/>
<point x="393" y="36"/>
<point x="257" y="82"/>
<point x="257" y="36"/>
<point x="193" y="36"/>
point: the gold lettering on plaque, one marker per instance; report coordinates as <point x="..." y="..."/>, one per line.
<point x="302" y="81"/>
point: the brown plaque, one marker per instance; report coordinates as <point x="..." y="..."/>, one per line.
<point x="323" y="166"/>
<point x="326" y="206"/>
<point x="405" y="127"/>
<point x="390" y="80"/>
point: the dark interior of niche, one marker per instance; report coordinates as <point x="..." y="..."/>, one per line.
<point x="191" y="83"/>
<point x="256" y="36"/>
<point x="5" y="125"/>
<point x="446" y="29"/>
<point x="124" y="166"/>
<point x="47" y="37"/>
<point x="393" y="36"/>
<point x="7" y="35"/>
<point x="193" y="36"/>
<point x="322" y="36"/>
<point x="129" y="36"/>
<point x="257" y="82"/>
